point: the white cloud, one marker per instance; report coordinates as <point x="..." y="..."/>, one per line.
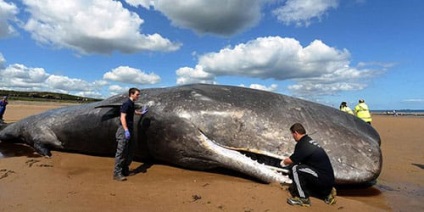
<point x="187" y="75"/>
<point x="2" y="61"/>
<point x="117" y="89"/>
<point x="228" y="17"/>
<point x="8" y="12"/>
<point x="91" y="26"/>
<point x="143" y="3"/>
<point x="271" y="88"/>
<point x="306" y="89"/>
<point x="302" y="12"/>
<point x="100" y="83"/>
<point x="225" y="17"/>
<point x="342" y="79"/>
<point x="127" y="74"/>
<point x="66" y="84"/>
<point x="419" y="101"/>
<point x="316" y="69"/>
<point x="92" y="94"/>
<point x="20" y="77"/>
<point x="275" y="57"/>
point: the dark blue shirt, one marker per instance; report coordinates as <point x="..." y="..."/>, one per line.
<point x="3" y="103"/>
<point x="128" y="108"/>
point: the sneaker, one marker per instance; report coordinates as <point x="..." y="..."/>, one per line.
<point x="299" y="201"/>
<point x="119" y="177"/>
<point x="331" y="198"/>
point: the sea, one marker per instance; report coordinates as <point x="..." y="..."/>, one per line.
<point x="406" y="112"/>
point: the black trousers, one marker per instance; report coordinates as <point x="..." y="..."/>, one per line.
<point x="307" y="182"/>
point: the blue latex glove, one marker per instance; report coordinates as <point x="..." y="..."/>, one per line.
<point x="127" y="134"/>
<point x="144" y="110"/>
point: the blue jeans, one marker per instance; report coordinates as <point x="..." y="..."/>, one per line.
<point x="2" y="110"/>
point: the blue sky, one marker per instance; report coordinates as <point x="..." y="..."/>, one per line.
<point x="326" y="51"/>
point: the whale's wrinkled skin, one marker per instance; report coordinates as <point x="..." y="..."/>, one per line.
<point x="208" y="126"/>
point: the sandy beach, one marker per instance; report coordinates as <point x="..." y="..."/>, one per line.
<point x="76" y="182"/>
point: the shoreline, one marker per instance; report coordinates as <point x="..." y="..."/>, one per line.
<point x="400" y="113"/>
<point x="54" y="103"/>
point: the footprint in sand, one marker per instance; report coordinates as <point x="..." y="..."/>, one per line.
<point x="5" y="173"/>
<point x="31" y="162"/>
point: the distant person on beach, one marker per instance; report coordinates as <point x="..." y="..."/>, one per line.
<point x="345" y="108"/>
<point x="124" y="135"/>
<point x="362" y="111"/>
<point x="3" y="104"/>
<point x="311" y="170"/>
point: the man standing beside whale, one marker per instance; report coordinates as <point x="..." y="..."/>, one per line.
<point x="124" y="134"/>
<point x="3" y="104"/>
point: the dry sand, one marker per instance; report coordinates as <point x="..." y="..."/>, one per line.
<point x="75" y="182"/>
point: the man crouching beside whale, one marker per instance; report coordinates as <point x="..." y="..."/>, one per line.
<point x="311" y="170"/>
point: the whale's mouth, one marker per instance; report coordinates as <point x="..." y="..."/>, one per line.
<point x="262" y="166"/>
<point x="268" y="161"/>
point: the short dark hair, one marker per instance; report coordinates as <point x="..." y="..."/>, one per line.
<point x="132" y="91"/>
<point x="298" y="128"/>
<point x="343" y="104"/>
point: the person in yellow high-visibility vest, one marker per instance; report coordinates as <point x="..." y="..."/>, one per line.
<point x="345" y="108"/>
<point x="362" y="111"/>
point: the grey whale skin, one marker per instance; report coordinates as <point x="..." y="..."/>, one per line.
<point x="203" y="126"/>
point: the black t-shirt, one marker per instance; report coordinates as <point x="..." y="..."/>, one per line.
<point x="309" y="152"/>
<point x="128" y="108"/>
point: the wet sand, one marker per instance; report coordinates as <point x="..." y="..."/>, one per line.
<point x="76" y="182"/>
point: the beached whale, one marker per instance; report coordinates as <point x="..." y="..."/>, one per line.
<point x="205" y="126"/>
